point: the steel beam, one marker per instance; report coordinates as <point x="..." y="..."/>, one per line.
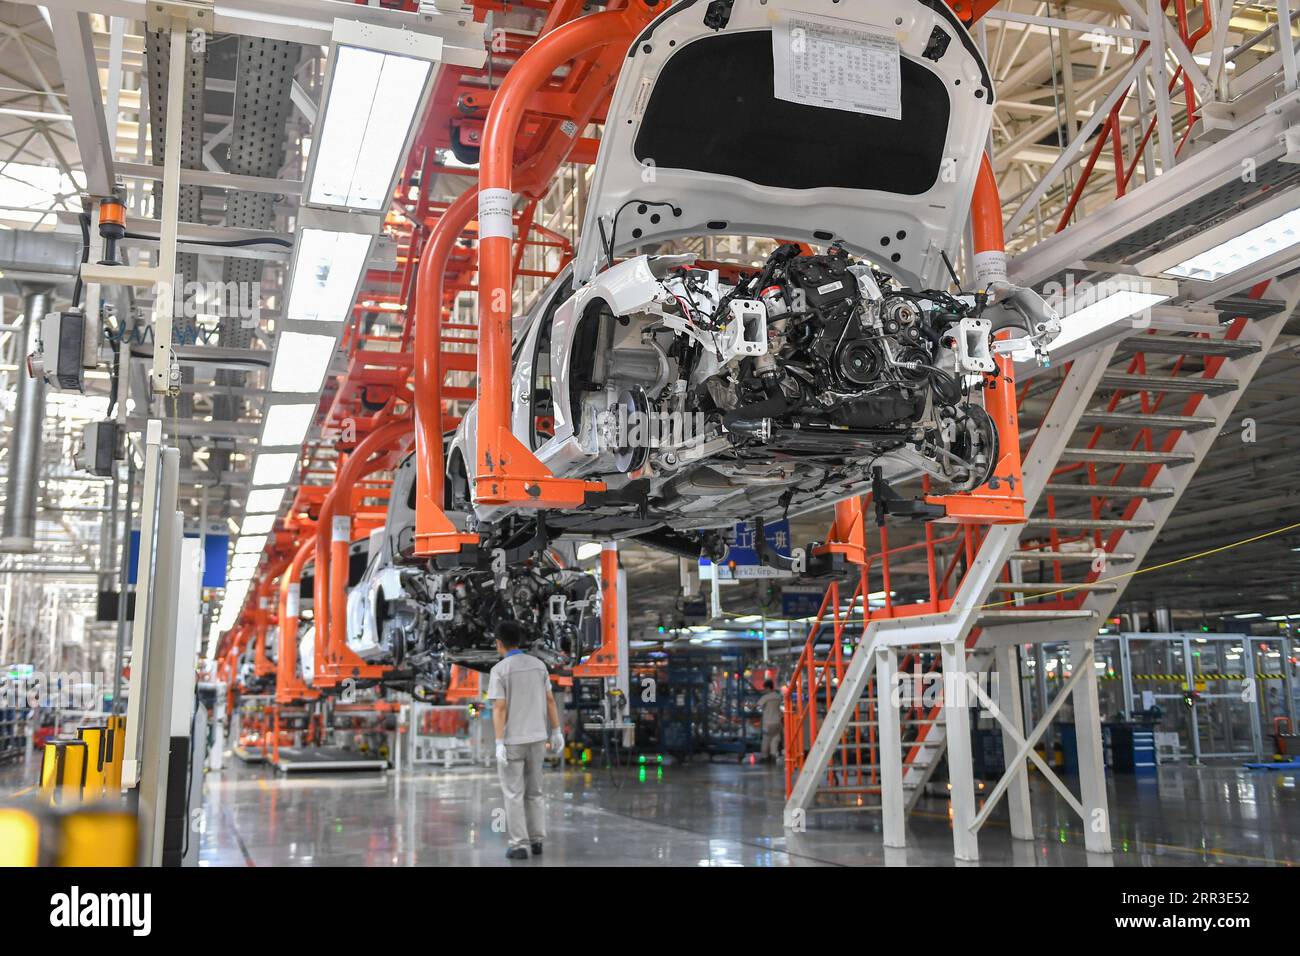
<point x="76" y="52"/>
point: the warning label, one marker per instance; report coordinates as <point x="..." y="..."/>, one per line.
<point x="822" y="61"/>
<point x="496" y="213"/>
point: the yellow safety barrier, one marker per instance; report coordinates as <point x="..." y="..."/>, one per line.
<point x="63" y="770"/>
<point x="98" y="837"/>
<point x="95" y="739"/>
<point x="115" y="750"/>
<point x="35" y="835"/>
<point x="20" y="837"/>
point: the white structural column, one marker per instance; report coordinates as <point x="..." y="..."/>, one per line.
<point x="1008" y="697"/>
<point x="892" y="802"/>
<point x="961" y="777"/>
<point x="1092" y="770"/>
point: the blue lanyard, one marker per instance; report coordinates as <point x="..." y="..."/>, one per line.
<point x="514" y="652"/>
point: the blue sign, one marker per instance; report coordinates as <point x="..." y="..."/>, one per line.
<point x="742" y="559"/>
<point x="215" y="550"/>
<point x="801" y="601"/>
<point x="775" y="533"/>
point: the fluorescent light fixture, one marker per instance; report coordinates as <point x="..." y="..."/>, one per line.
<point x="263" y="501"/>
<point x="369" y="110"/>
<point x="1247" y="617"/>
<point x="589" y="549"/>
<point x="301" y="360"/>
<point x="250" y="544"/>
<point x="287" y="424"/>
<point x="257" y="524"/>
<point x="239" y="576"/>
<point x="273" y="468"/>
<point x="327" y="267"/>
<point x="1244" y="250"/>
<point x="246" y="560"/>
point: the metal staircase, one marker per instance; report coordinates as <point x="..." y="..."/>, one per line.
<point x="1111" y="455"/>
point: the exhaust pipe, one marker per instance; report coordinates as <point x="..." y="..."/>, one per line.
<point x="19" y="528"/>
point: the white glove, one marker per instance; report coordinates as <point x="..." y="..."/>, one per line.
<point x="557" y="741"/>
<point x="501" y="751"/>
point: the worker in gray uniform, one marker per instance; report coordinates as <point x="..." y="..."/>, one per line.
<point x="524" y="717"/>
<point x="771" y="722"/>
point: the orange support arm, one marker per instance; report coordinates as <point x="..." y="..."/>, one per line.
<point x="506" y="472"/>
<point x="333" y="659"/>
<point x="434" y="532"/>
<point x="464" y="684"/>
<point x="1001" y="500"/>
<point x="604" y="661"/>
<point x="289" y="686"/>
<point x="262" y="616"/>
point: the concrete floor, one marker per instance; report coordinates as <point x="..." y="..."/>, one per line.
<point x="719" y="814"/>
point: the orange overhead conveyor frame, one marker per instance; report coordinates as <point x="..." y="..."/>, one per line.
<point x="334" y="661"/>
<point x="507" y="473"/>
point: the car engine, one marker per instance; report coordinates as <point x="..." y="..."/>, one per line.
<point x="804" y="371"/>
<point x="445" y="619"/>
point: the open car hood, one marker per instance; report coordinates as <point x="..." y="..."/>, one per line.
<point x="804" y="120"/>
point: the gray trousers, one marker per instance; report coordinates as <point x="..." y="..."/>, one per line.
<point x="772" y="735"/>
<point x="521" y="787"/>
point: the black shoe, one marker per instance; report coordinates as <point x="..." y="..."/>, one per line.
<point x="516" y="853"/>
<point x="537" y="849"/>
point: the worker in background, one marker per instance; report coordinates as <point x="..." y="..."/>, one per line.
<point x="524" y="716"/>
<point x="770" y="709"/>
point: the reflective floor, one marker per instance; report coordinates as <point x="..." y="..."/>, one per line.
<point x="719" y="814"/>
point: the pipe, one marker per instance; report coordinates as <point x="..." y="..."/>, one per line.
<point x="19" y="530"/>
<point x="288" y="687"/>
<point x="379" y="439"/>
<point x="501" y="456"/>
<point x="434" y="533"/>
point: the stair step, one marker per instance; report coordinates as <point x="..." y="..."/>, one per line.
<point x="1117" y="557"/>
<point x="1184" y="345"/>
<point x="1099" y="524"/>
<point x="1030" y="616"/>
<point x="1052" y="587"/>
<point x="1188" y="423"/>
<point x="1168" y="383"/>
<point x="860" y="808"/>
<point x="1124" y="456"/>
<point x="1109" y="491"/>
